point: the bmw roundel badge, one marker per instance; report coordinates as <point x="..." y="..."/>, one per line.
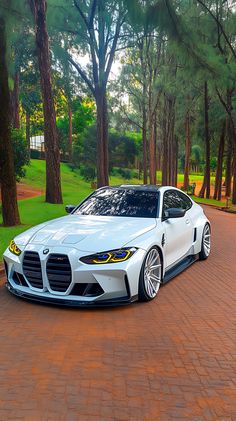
<point x="46" y="251"/>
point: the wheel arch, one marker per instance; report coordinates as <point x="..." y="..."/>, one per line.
<point x="158" y="247"/>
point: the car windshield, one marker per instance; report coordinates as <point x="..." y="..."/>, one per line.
<point x="120" y="202"/>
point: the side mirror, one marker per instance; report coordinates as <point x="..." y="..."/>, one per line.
<point x="70" y="208"/>
<point x="174" y="213"/>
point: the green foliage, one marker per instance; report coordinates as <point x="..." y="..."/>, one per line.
<point x="30" y="94"/>
<point x="88" y="173"/>
<point x="213" y="163"/>
<point x="82" y="118"/>
<point x="84" y="148"/>
<point x="83" y="114"/>
<point x="21" y="155"/>
<point x="123" y="148"/>
<point x="125" y="173"/>
<point x="196" y="154"/>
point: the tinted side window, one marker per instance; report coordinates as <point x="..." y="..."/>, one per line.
<point x="186" y="202"/>
<point x="169" y="200"/>
<point x="175" y="199"/>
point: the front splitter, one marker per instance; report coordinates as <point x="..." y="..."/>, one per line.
<point x="114" y="302"/>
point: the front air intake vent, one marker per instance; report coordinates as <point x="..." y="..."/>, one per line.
<point x="87" y="290"/>
<point x="59" y="272"/>
<point x="32" y="269"/>
<point x="19" y="279"/>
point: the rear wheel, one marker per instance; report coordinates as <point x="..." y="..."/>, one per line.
<point x="206" y="243"/>
<point x="150" y="275"/>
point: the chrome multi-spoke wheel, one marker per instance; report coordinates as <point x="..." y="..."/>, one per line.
<point x="151" y="274"/>
<point x="206" y="242"/>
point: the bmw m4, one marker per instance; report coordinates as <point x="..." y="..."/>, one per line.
<point x="118" y="246"/>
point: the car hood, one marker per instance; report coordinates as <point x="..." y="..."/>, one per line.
<point x="87" y="232"/>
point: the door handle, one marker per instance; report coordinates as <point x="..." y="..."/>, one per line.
<point x="187" y="221"/>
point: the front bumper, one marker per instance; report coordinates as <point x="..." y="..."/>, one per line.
<point x="118" y="282"/>
<point x="71" y="303"/>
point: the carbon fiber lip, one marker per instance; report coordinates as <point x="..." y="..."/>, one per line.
<point x="115" y="302"/>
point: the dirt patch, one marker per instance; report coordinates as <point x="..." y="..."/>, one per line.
<point x="26" y="192"/>
<point x="198" y="188"/>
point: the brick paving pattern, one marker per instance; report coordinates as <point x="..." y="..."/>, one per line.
<point x="170" y="359"/>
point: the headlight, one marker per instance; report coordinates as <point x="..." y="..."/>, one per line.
<point x="112" y="256"/>
<point x="14" y="249"/>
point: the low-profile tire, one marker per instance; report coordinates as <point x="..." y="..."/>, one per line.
<point x="206" y="243"/>
<point x="150" y="276"/>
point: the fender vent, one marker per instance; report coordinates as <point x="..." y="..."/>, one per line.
<point x="163" y="240"/>
<point x="194" y="235"/>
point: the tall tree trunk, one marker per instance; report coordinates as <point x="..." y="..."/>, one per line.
<point x="159" y="156"/>
<point x="169" y="143"/>
<point x="234" y="181"/>
<point x="165" y="157"/>
<point x="175" y="161"/>
<point x="207" y="173"/>
<point x="10" y="211"/>
<point x="144" y="136"/>
<point x="27" y="129"/>
<point x="228" y="170"/>
<point x="102" y="139"/>
<point x="52" y="153"/>
<point x="233" y="128"/>
<point x="70" y="131"/>
<point x="218" y="181"/>
<point x="155" y="145"/>
<point x="152" y="151"/>
<point x="15" y="102"/>
<point x="231" y="145"/>
<point x="144" y="133"/>
<point x="164" y="144"/>
<point x="187" y="152"/>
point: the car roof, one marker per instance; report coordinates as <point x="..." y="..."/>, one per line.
<point x="135" y="187"/>
<point x="144" y="187"/>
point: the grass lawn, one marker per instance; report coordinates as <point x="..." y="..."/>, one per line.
<point x="208" y="201"/>
<point x="34" y="211"/>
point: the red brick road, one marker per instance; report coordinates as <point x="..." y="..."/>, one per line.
<point x="171" y="359"/>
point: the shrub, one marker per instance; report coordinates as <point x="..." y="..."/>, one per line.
<point x="87" y="173"/>
<point x="34" y="154"/>
<point x="21" y="154"/>
<point x="125" y="173"/>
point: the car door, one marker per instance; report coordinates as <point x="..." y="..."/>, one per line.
<point x="178" y="231"/>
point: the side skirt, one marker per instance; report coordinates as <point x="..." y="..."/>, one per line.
<point x="179" y="267"/>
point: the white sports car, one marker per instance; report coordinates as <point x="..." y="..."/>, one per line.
<point x="117" y="246"/>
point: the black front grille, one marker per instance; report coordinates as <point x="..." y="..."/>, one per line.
<point x="59" y="272"/>
<point x="32" y="269"/>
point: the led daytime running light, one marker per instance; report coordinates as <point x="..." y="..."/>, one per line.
<point x="14" y="249"/>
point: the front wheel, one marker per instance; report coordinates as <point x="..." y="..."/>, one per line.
<point x="150" y="275"/>
<point x="206" y="243"/>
